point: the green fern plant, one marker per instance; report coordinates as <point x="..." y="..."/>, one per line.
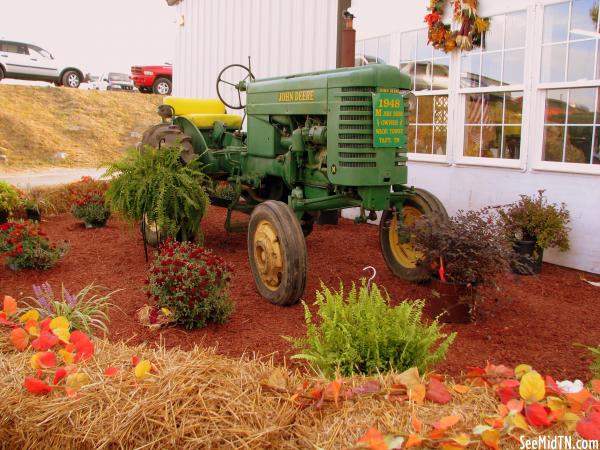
<point x="157" y="184"/>
<point x="361" y="333"/>
<point x="595" y="366"/>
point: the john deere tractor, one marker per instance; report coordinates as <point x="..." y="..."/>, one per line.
<point x="315" y="142"/>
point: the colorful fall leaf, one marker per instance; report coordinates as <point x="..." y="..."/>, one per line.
<point x="19" y="338"/>
<point x="507" y="394"/>
<point x="333" y="389"/>
<point x="32" y="314"/>
<point x="517" y="421"/>
<point x="77" y="380"/>
<point x="570" y="419"/>
<point x="36" y="386"/>
<point x="461" y="388"/>
<point x="408" y="378"/>
<point x="68" y="357"/>
<point x="370" y="387"/>
<point x="45" y="325"/>
<point x="373" y="439"/>
<point x="9" y="306"/>
<point x="414" y="440"/>
<point x="416" y="393"/>
<point x="47" y="360"/>
<point x="491" y="438"/>
<point x="437" y="392"/>
<point x="135" y="360"/>
<point x="4" y="321"/>
<point x="111" y="371"/>
<point x="59" y="375"/>
<point x="515" y="405"/>
<point x="446" y="422"/>
<point x="35" y="361"/>
<point x="45" y="342"/>
<point x="462" y="439"/>
<point x="532" y="387"/>
<point x="576" y="401"/>
<point x="62" y="334"/>
<point x="552" y="386"/>
<point x="450" y="445"/>
<point x="416" y="423"/>
<point x="142" y="370"/>
<point x="59" y="322"/>
<point x="84" y="349"/>
<point x="596" y="386"/>
<point x="589" y="427"/>
<point x="521" y="370"/>
<point x="537" y="415"/>
<point x="31" y="326"/>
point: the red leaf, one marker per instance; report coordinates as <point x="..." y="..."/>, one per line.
<point x="589" y="427"/>
<point x="507" y="394"/>
<point x="47" y="360"/>
<point x="537" y="415"/>
<point x="45" y="325"/>
<point x="596" y="386"/>
<point x="135" y="360"/>
<point x="552" y="387"/>
<point x="85" y="350"/>
<point x="45" y="342"/>
<point x="36" y="386"/>
<point x="78" y="336"/>
<point x="370" y="387"/>
<point x="5" y="321"/>
<point x="437" y="392"/>
<point x="19" y="338"/>
<point x="59" y="375"/>
<point x="111" y="371"/>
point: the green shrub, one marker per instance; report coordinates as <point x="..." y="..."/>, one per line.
<point x="192" y="283"/>
<point x="595" y="366"/>
<point x="362" y="333"/>
<point x="27" y="246"/>
<point x="157" y="184"/>
<point x="9" y="197"/>
<point x="87" y="310"/>
<point x="91" y="208"/>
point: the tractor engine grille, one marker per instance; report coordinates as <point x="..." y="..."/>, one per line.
<point x="356" y="128"/>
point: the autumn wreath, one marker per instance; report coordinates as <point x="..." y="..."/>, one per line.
<point x="472" y="28"/>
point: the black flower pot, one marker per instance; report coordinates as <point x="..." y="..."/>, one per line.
<point x="529" y="257"/>
<point x="33" y="214"/>
<point x="3" y="216"/>
<point x="96" y="223"/>
<point x="452" y="302"/>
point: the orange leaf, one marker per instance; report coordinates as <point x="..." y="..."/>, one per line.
<point x="577" y="400"/>
<point x="416" y="423"/>
<point x="36" y="386"/>
<point x="461" y="388"/>
<point x="490" y="438"/>
<point x="589" y="427"/>
<point x="111" y="371"/>
<point x="416" y="393"/>
<point x="446" y="422"/>
<point x="413" y="440"/>
<point x="373" y="439"/>
<point x="10" y="305"/>
<point x="59" y="375"/>
<point x="596" y="386"/>
<point x="451" y="445"/>
<point x="503" y="410"/>
<point x="70" y="392"/>
<point x="47" y="360"/>
<point x="334" y="389"/>
<point x="19" y="338"/>
<point x="495" y="422"/>
<point x="5" y="321"/>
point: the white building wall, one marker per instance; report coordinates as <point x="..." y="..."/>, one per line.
<point x="281" y="36"/>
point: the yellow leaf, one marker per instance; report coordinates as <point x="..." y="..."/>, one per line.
<point x="490" y="438"/>
<point x="32" y="314"/>
<point x="142" y="370"/>
<point x="408" y="378"/>
<point x="166" y="312"/>
<point x="35" y="361"/>
<point x="571" y="419"/>
<point x="67" y="357"/>
<point x="417" y="393"/>
<point x="32" y="328"/>
<point x="62" y="334"/>
<point x="462" y="439"/>
<point x="461" y="388"/>
<point x="448" y="445"/>
<point x="555" y="403"/>
<point x="60" y="322"/>
<point x="522" y="369"/>
<point x="532" y="386"/>
<point x="517" y="421"/>
<point x="78" y="380"/>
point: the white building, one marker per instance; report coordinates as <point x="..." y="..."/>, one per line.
<point x="518" y="116"/>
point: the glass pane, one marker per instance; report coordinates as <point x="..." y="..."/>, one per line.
<point x="360" y="48"/>
<point x="492" y="142"/>
<point x="516" y="26"/>
<point x="491" y="69"/>
<point x="554" y="137"/>
<point x="473" y="108"/>
<point x="583" y="19"/>
<point x="441" y="73"/>
<point x="581" y="60"/>
<point x="413" y="115"/>
<point x="370" y="52"/>
<point x="513" y="108"/>
<point x="581" y="105"/>
<point x="423" y="50"/>
<point x="384" y="49"/>
<point x="553" y="63"/>
<point x="596" y="149"/>
<point x="408" y="45"/>
<point x="410" y="145"/>
<point x="579" y="144"/>
<point x="514" y="62"/>
<point x="470" y="70"/>
<point x="556" y="19"/>
<point x="556" y="105"/>
<point x="494" y="38"/>
<point x="424" y="138"/>
<point x="493" y="104"/>
<point x="423" y="75"/>
<point x="472" y="141"/>
<point x="440" y="136"/>
<point x="440" y="114"/>
<point x="512" y="143"/>
<point x="425" y="109"/>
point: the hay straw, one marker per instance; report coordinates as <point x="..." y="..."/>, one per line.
<point x="199" y="399"/>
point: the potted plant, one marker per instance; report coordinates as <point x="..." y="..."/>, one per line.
<point x="91" y="208"/>
<point x="533" y="224"/>
<point x="463" y="252"/>
<point x="33" y="202"/>
<point x="9" y="200"/>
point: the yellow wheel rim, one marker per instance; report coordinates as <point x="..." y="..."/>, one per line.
<point x="268" y="255"/>
<point x="404" y="253"/>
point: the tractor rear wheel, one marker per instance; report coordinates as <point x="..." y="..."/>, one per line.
<point x="400" y="255"/>
<point x="277" y="252"/>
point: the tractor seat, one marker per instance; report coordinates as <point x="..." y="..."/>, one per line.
<point x="203" y="112"/>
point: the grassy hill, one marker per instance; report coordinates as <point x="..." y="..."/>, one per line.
<point x="90" y="126"/>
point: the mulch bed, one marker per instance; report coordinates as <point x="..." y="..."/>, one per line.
<point x="534" y="319"/>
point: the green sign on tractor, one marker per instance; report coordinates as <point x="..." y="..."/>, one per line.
<point x="315" y="142"/>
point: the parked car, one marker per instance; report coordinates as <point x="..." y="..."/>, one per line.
<point x="157" y="79"/>
<point x="23" y="61"/>
<point x="112" y="81"/>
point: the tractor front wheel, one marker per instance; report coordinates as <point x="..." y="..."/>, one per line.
<point x="277" y="252"/>
<point x="398" y="250"/>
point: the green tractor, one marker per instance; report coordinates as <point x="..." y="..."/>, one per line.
<point x="315" y="142"/>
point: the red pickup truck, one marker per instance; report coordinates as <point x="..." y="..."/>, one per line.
<point x="157" y="79"/>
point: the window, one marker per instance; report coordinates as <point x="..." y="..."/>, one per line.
<point x="569" y="85"/>
<point x="492" y="91"/>
<point x="429" y="70"/>
<point x="13" y="47"/>
<point x="39" y="52"/>
<point x="373" y="51"/>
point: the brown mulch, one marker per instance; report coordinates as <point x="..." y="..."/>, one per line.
<point x="534" y="319"/>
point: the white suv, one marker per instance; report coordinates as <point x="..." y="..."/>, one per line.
<point x="23" y="61"/>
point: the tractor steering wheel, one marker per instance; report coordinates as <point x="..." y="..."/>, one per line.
<point x="240" y="86"/>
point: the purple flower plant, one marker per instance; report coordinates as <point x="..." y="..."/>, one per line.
<point x="44" y="295"/>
